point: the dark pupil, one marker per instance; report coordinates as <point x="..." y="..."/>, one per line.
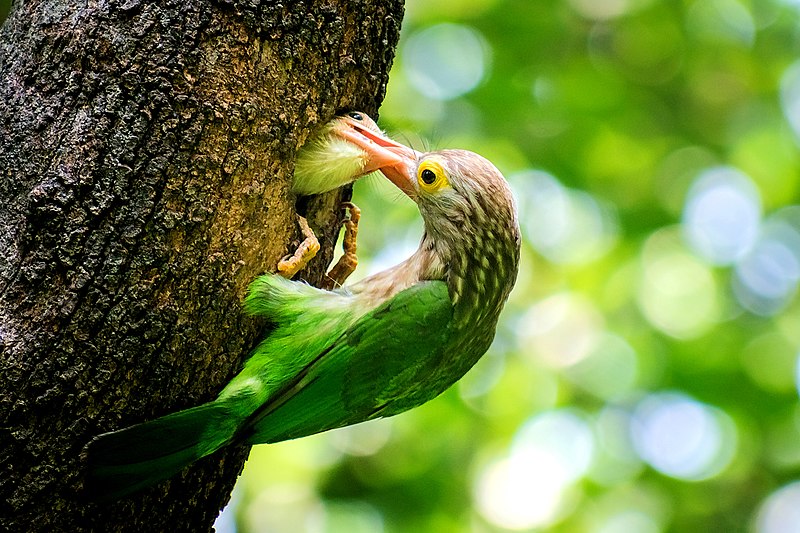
<point x="428" y="176"/>
<point x="355" y="115"/>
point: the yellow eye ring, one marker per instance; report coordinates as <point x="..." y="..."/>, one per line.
<point x="431" y="176"/>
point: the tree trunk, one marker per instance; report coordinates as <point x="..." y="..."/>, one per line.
<point x="146" y="153"/>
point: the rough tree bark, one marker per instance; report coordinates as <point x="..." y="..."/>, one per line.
<point x="146" y="150"/>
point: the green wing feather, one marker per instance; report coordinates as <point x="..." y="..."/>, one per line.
<point x="124" y="461"/>
<point x="307" y="321"/>
<point x="373" y="369"/>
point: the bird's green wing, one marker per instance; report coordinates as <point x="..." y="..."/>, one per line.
<point x="375" y="368"/>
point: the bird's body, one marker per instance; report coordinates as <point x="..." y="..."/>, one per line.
<point x="375" y="349"/>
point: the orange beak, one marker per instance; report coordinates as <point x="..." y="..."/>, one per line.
<point x="396" y="161"/>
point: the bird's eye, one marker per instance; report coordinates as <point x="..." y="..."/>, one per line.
<point x="431" y="176"/>
<point x="355" y="115"/>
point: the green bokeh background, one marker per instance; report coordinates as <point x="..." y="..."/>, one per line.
<point x="644" y="374"/>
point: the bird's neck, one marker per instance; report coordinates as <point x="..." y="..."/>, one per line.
<point x="480" y="264"/>
<point x="478" y="279"/>
<point x="424" y="264"/>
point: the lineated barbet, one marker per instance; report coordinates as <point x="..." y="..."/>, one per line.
<point x="375" y="349"/>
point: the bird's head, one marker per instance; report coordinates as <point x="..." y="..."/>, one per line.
<point x="459" y="193"/>
<point x="471" y="226"/>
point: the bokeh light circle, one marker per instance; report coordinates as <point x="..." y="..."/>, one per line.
<point x="790" y="96"/>
<point x="446" y="61"/>
<point x="780" y="511"/>
<point x="531" y="485"/>
<point x="722" y="215"/>
<point x="681" y="437"/>
<point x="629" y="522"/>
<point x="567" y="226"/>
<point x="766" y="279"/>
<point x="678" y="293"/>
<point x="561" y="330"/>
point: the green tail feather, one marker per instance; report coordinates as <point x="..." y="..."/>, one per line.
<point x="125" y="461"/>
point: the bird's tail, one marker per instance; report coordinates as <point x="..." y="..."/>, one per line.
<point x="125" y="461"/>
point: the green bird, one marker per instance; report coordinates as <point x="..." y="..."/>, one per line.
<point x="375" y="349"/>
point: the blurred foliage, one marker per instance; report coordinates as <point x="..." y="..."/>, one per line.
<point x="644" y="375"/>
